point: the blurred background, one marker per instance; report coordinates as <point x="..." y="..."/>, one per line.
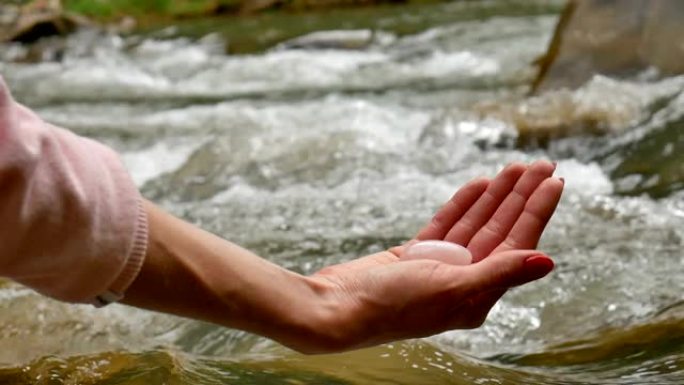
<point x="315" y="131"/>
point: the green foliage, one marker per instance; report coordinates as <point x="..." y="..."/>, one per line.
<point x="155" y="9"/>
<point x="114" y="8"/>
<point x="109" y="8"/>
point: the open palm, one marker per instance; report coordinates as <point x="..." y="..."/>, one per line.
<point x="508" y="212"/>
<point x="392" y="295"/>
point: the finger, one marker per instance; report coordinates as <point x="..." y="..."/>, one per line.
<point x="504" y="270"/>
<point x="538" y="210"/>
<point x="480" y="212"/>
<point x="453" y="210"/>
<point x="499" y="225"/>
<point x="445" y="252"/>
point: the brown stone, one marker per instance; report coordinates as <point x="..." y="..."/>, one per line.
<point x="37" y="20"/>
<point x="617" y="38"/>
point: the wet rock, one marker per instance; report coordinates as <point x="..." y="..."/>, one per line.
<point x="37" y="20"/>
<point x="617" y="38"/>
<point x="652" y="165"/>
<point x="600" y="106"/>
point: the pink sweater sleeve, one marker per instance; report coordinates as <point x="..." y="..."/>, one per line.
<point x="73" y="226"/>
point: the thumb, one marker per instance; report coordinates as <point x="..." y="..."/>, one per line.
<point x="445" y="252"/>
<point x="506" y="269"/>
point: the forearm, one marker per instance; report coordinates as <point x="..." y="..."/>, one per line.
<point x="192" y="273"/>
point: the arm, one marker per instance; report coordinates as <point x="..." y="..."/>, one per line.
<point x="414" y="290"/>
<point x="193" y="273"/>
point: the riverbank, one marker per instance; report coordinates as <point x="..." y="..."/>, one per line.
<point x="28" y="21"/>
<point x="253" y="32"/>
<point x="156" y="11"/>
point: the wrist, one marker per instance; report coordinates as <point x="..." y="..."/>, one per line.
<point x="330" y="320"/>
<point x="307" y="319"/>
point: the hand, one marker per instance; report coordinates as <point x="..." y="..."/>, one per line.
<point x="423" y="288"/>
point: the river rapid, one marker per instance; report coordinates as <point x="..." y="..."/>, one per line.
<point x="326" y="148"/>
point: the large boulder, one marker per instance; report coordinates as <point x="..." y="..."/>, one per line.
<point x="617" y="38"/>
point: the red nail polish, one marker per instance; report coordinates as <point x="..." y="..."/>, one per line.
<point x="538" y="266"/>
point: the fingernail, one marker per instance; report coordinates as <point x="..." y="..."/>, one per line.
<point x="562" y="180"/>
<point x="446" y="252"/>
<point x="538" y="266"/>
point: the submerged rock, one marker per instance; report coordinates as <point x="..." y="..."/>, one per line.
<point x="339" y="39"/>
<point x="617" y="38"/>
<point x="653" y="164"/>
<point x="600" y="106"/>
<point x="657" y="337"/>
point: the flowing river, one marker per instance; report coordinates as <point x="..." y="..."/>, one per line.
<point x="327" y="148"/>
